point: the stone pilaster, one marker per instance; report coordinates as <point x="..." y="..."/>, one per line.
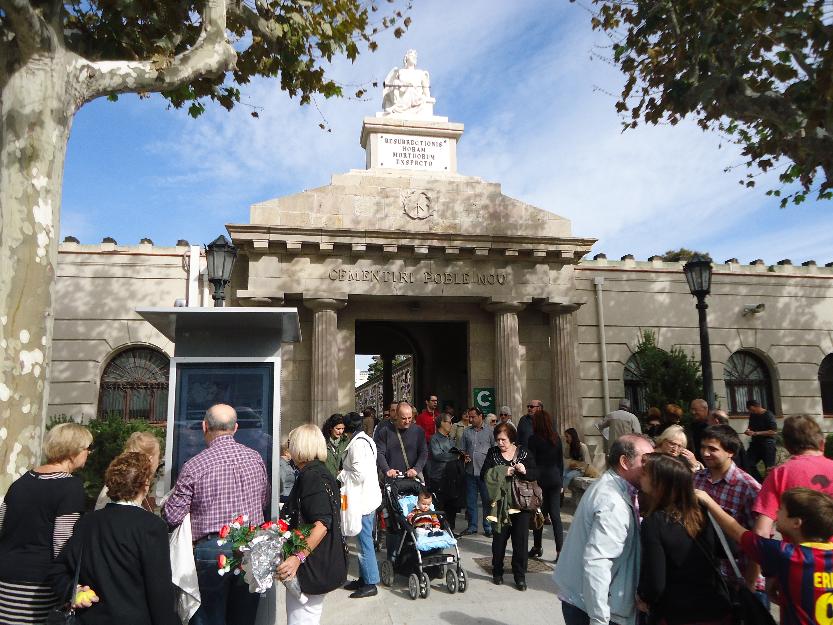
<point x="507" y="355"/>
<point x="324" y="358"/>
<point x="566" y="401"/>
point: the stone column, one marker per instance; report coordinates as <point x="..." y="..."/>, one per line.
<point x="324" y="358"/>
<point x="566" y="402"/>
<point x="507" y="355"/>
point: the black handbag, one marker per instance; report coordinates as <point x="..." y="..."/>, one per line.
<point x="746" y="608"/>
<point x="65" y="614"/>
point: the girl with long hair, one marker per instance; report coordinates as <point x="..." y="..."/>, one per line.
<point x="576" y="456"/>
<point x="333" y="431"/>
<point x="545" y="445"/>
<point x="678" y="579"/>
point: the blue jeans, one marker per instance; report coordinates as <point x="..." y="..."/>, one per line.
<point x="475" y="485"/>
<point x="368" y="567"/>
<point x="574" y="615"/>
<point x="226" y="599"/>
<point x="763" y="598"/>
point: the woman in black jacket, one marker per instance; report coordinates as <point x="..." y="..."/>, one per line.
<point x="124" y="555"/>
<point x="521" y="465"/>
<point x="678" y="579"/>
<point x="545" y="445"/>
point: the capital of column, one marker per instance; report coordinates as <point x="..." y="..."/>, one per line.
<point x="561" y="308"/>
<point x="324" y="303"/>
<point x="504" y="307"/>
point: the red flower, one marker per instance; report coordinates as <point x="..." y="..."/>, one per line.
<point x="282" y="525"/>
<point x="238" y="520"/>
<point x="298" y="533"/>
<point x="224" y="531"/>
<point x="221" y="561"/>
<point x="268" y="525"/>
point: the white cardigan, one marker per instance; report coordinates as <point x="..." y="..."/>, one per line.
<point x="359" y="476"/>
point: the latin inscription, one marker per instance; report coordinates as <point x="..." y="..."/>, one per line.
<point x="417" y="277"/>
<point x="400" y="152"/>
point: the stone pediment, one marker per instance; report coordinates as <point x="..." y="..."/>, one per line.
<point x="377" y="208"/>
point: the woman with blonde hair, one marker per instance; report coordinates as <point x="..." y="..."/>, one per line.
<point x="674" y="442"/>
<point x="143" y="443"/>
<point x="314" y="500"/>
<point x="37" y="517"/>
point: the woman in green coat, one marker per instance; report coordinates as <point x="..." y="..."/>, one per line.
<point x="333" y="430"/>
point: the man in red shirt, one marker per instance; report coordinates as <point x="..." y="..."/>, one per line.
<point x="427" y="419"/>
<point x="807" y="468"/>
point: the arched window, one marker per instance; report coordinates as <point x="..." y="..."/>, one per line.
<point x="135" y="385"/>
<point x="826" y="384"/>
<point x="636" y="387"/>
<point x="746" y="378"/>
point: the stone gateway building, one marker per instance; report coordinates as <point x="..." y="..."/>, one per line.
<point x="484" y="291"/>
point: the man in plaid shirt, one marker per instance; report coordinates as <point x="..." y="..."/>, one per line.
<point x="733" y="489"/>
<point x="221" y="482"/>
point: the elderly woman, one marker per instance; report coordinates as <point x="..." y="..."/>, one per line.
<point x="314" y="500"/>
<point x="674" y="442"/>
<point x="446" y="471"/>
<point x="143" y="443"/>
<point x="37" y="517"/>
<point x="123" y="550"/>
<point x="333" y="430"/>
<point x="520" y="464"/>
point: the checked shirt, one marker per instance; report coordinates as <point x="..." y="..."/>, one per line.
<point x="216" y="485"/>
<point x="735" y="492"/>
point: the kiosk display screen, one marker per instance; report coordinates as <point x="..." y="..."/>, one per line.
<point x="248" y="387"/>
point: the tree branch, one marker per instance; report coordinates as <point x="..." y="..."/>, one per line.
<point x="211" y="55"/>
<point x="268" y="29"/>
<point x="27" y="25"/>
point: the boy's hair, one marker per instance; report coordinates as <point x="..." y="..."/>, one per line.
<point x="425" y="494"/>
<point x="801" y="434"/>
<point x="723" y="434"/>
<point x="814" y="508"/>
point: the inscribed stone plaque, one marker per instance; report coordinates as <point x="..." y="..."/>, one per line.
<point x="411" y="152"/>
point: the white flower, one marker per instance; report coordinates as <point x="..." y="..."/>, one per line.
<point x="245" y="518"/>
<point x="221" y="542"/>
<point x="237" y="571"/>
<point x="286" y="535"/>
<point x="221" y="572"/>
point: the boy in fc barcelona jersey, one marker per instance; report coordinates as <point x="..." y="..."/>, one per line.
<point x="802" y="563"/>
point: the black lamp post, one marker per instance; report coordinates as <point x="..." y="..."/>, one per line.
<point x="698" y="274"/>
<point x="219" y="257"/>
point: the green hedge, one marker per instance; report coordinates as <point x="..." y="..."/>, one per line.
<point x="110" y="433"/>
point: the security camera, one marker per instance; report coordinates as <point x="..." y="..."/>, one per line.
<point x="750" y="310"/>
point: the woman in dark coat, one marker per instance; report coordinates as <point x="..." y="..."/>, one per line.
<point x="124" y="554"/>
<point x="314" y="500"/>
<point x="678" y="579"/>
<point x="545" y="445"/>
<point x="520" y="464"/>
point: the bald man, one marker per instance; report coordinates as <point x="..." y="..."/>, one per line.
<point x="216" y="485"/>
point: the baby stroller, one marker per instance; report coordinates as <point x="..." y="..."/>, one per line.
<point x="419" y="556"/>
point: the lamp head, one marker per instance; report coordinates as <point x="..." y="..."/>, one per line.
<point x="698" y="274"/>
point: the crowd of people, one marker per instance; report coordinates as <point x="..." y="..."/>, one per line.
<point x="670" y="532"/>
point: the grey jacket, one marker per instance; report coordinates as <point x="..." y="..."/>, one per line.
<point x="477" y="443"/>
<point x="598" y="568"/>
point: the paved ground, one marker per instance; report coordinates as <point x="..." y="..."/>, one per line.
<point x="483" y="603"/>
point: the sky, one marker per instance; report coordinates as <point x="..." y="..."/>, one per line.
<point x="533" y="86"/>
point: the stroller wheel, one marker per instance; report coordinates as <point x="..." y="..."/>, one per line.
<point x="424" y="586"/>
<point x="451" y="580"/>
<point x="413" y="586"/>
<point x="462" y="580"/>
<point x="386" y="572"/>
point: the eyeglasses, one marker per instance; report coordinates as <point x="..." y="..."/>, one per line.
<point x="89" y="449"/>
<point x="505" y="414"/>
<point x="533" y="406"/>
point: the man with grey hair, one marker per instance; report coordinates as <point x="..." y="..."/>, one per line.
<point x="598" y="568"/>
<point x="619" y="422"/>
<point x="221" y="482"/>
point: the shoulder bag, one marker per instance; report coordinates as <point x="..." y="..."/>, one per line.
<point x="526" y="493"/>
<point x="746" y="608"/>
<point x="65" y="614"/>
<point x="326" y="567"/>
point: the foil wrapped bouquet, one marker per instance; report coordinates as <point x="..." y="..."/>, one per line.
<point x="257" y="551"/>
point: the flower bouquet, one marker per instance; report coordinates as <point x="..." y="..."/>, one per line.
<point x="259" y="550"/>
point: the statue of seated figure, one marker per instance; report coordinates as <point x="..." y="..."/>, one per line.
<point x="407" y="91"/>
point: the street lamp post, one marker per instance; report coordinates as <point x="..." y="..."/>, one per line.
<point x="698" y="274"/>
<point x="219" y="257"/>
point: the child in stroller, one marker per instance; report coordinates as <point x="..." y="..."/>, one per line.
<point x="419" y="538"/>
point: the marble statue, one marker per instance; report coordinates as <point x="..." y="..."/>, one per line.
<point x="407" y="92"/>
